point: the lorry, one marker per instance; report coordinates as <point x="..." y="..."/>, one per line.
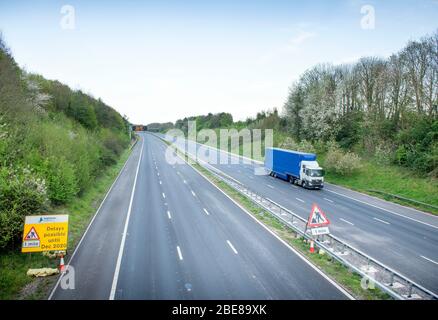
<point x="296" y="167"/>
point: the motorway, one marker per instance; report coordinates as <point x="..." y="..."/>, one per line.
<point x="402" y="238"/>
<point x="165" y="232"/>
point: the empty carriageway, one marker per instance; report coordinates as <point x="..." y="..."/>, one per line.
<point x="187" y="240"/>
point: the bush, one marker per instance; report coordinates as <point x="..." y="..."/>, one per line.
<point x="22" y="193"/>
<point x="383" y="154"/>
<point x="303" y="146"/>
<point x="341" y="163"/>
<point x="61" y="180"/>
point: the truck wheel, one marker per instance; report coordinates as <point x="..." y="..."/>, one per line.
<point x="291" y="180"/>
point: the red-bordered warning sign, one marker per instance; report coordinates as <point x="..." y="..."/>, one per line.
<point x="317" y="218"/>
<point x="32" y="235"/>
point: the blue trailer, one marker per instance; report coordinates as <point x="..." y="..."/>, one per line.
<point x="295" y="167"/>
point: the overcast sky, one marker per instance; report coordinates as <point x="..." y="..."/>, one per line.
<point x="158" y="61"/>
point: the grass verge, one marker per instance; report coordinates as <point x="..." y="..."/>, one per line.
<point x="14" y="283"/>
<point x="348" y="279"/>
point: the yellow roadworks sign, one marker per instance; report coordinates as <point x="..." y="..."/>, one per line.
<point x="45" y="233"/>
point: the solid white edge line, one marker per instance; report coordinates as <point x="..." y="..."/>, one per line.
<point x="125" y="231"/>
<point x="331" y="281"/>
<point x="89" y="226"/>
<point x="428" y="259"/>
<point x="382" y="221"/>
<point x="346" y="221"/>
<point x="179" y="253"/>
<point x="392" y="212"/>
<point x="232" y="247"/>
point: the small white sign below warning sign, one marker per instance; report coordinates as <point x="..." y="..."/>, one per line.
<point x="317" y="218"/>
<point x="320" y="231"/>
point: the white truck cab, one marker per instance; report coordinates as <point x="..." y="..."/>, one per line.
<point x="311" y="175"/>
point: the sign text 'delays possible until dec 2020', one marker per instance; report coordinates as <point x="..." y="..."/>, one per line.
<point x="45" y="233"/>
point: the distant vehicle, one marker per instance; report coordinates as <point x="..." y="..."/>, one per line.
<point x="139" y="127"/>
<point x="296" y="167"/>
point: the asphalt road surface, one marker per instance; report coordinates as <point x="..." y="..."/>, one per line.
<point x="404" y="239"/>
<point x="165" y="232"/>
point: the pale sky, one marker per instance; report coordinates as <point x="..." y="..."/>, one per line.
<point x="158" y="61"/>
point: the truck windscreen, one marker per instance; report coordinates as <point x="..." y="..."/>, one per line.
<point x="315" y="172"/>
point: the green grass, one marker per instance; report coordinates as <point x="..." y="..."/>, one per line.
<point x="14" y="283"/>
<point x="342" y="275"/>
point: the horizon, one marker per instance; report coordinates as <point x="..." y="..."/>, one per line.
<point x="166" y="61"/>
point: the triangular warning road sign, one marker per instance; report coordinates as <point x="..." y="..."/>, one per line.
<point x="317" y="218"/>
<point x="32" y="235"/>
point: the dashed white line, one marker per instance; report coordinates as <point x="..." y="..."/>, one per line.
<point x="328" y="200"/>
<point x="164" y="196"/>
<point x="160" y="181"/>
<point x="382" y="221"/>
<point x="270" y="186"/>
<point x="168" y="214"/>
<point x="428" y="259"/>
<point x="185" y="181"/>
<point x="347" y="221"/>
<point x="372" y="205"/>
<point x="158" y="174"/>
<point x="300" y="200"/>
<point x="179" y="253"/>
<point x="206" y="212"/>
<point x="193" y="193"/>
<point x="232" y="247"/>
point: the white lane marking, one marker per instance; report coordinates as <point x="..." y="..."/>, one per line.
<point x="158" y="174"/>
<point x="382" y="221"/>
<point x="232" y="247"/>
<point x="179" y="253"/>
<point x="300" y="200"/>
<point x="328" y="200"/>
<point x="270" y="186"/>
<point x="164" y="196"/>
<point x="193" y="193"/>
<point x="185" y="181"/>
<point x="347" y="221"/>
<point x="168" y="214"/>
<point x="206" y="212"/>
<point x="89" y="225"/>
<point x="372" y="205"/>
<point x="322" y="274"/>
<point x="160" y="181"/>
<point x="125" y="232"/>
<point x="428" y="259"/>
